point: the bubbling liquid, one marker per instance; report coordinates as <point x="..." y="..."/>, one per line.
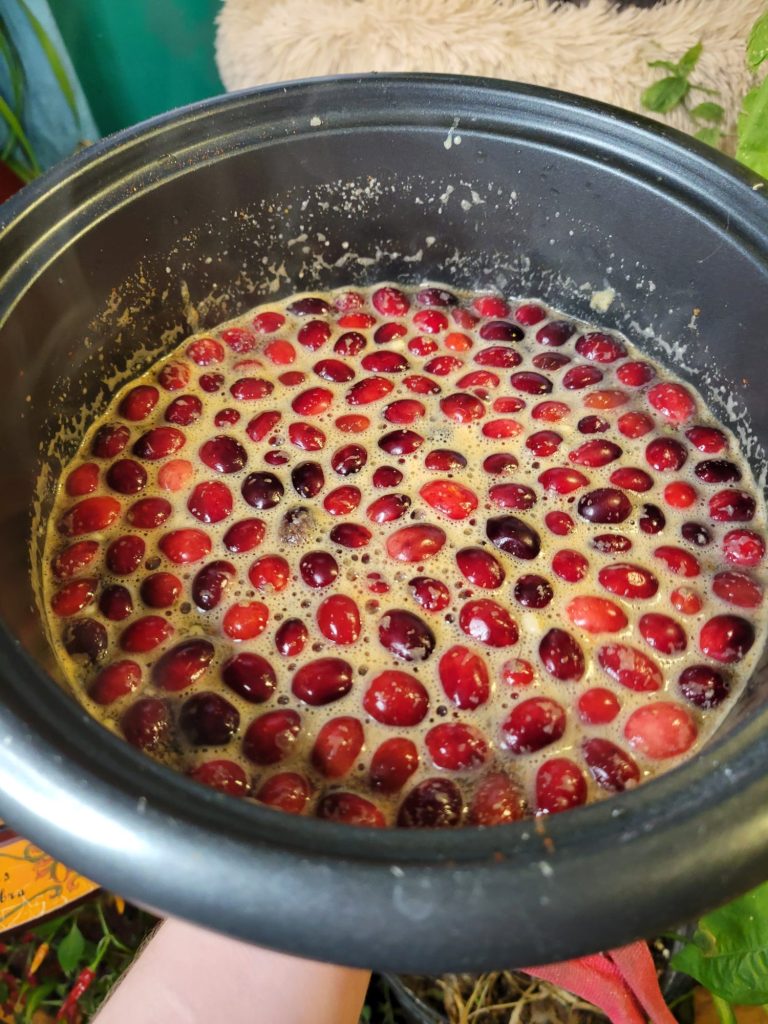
<point x="408" y="556"/>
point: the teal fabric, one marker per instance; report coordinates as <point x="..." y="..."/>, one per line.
<point x="52" y="129"/>
<point x="138" y="58"/>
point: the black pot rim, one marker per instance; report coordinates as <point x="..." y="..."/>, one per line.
<point x="165" y="842"/>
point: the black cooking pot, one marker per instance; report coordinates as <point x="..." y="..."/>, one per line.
<point x="193" y="217"/>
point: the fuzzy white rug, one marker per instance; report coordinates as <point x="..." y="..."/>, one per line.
<point x="594" y="51"/>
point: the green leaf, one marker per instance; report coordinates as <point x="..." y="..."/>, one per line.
<point x="666" y="64"/>
<point x="711" y="136"/>
<point x="729" y="950"/>
<point x="757" y="44"/>
<point x="666" y="94"/>
<point x="36" y="998"/>
<point x="54" y="60"/>
<point x="690" y="59"/>
<point x="71" y="949"/>
<point x="15" y="126"/>
<point x="752" y="149"/>
<point x="708" y="111"/>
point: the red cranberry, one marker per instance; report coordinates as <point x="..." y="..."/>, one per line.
<point x="396" y="698"/>
<point x="337" y="746"/>
<point x="147" y="723"/>
<point x="109" y="440"/>
<point x="87" y="637"/>
<point x="433" y="803"/>
<point x="139" y="402"/>
<point x="513" y="536"/>
<point x="431" y="595"/>
<point x="286" y="791"/>
<point x="630" y="668"/>
<point x="561" y="655"/>
<point x="533" y="591"/>
<point x="262" y="490"/>
<point x="555" y="333"/>
<point x="223" y="454"/>
<point x="660" y="730"/>
<point x="115" y="603"/>
<point x="560" y="785"/>
<point x="291" y="638"/>
<point x="456" y="746"/>
<point x="124" y="555"/>
<point x="480" y="568"/>
<point x="533" y="724"/>
<point x="605" y="505"/>
<point x="392" y="764"/>
<point x="322" y="681"/>
<point x="610" y="766"/>
<point x="703" y="686"/>
<point x="464" y="677"/>
<point x="115" y="681"/>
<point x="726" y="638"/>
<point x="208" y="720"/>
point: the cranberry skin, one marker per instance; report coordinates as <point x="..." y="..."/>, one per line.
<point x="630" y="668"/>
<point x="160" y="590"/>
<point x="532" y="591"/>
<point x="532" y="725"/>
<point x="444" y="460"/>
<point x="208" y="720"/>
<point x="146" y="724"/>
<point x="514" y="537"/>
<point x="500" y="330"/>
<point x="210" y="502"/>
<point x="349" y="460"/>
<point x="664" y="454"/>
<point x="271" y="737"/>
<point x="453" y="499"/>
<point x="405" y="410"/>
<point x="388" y="508"/>
<point x="635" y="374"/>
<point x="250" y="676"/>
<point x="124" y="555"/>
<point x="338" y="619"/>
<point x="307" y="478"/>
<point x="464" y="678"/>
<point x="350" y="535"/>
<point x="183" y="547"/>
<point x="559" y="523"/>
<point x="488" y="623"/>
<point x="672" y="401"/>
<point x="579" y="377"/>
<point x="431" y="595"/>
<point x="184" y="410"/>
<point x="627" y="580"/>
<point x="86" y="637"/>
<point x="595" y="453"/>
<point x="322" y="681"/>
<point x="433" y="803"/>
<point x="550" y="361"/>
<point x="743" y="547"/>
<point x="555" y="333"/>
<point x="211" y="382"/>
<point x="390" y="301"/>
<point x="115" y="681"/>
<point x="337" y="746"/>
<point x="605" y="505"/>
<point x="260" y="426"/>
<point x="703" y="686"/>
<point x="497" y="800"/>
<point x="562" y="480"/>
<point x="396" y="698"/>
<point x="726" y="638"/>
<point x="560" y="785"/>
<point x="350" y="809"/>
<point x="222" y="775"/>
<point x="717" y="471"/>
<point x="544" y="443"/>
<point x="598" y="706"/>
<point x="244" y="535"/>
<point x="456" y="747"/>
<point x="392" y="764"/>
<point x="126" y="476"/>
<point x="498" y="357"/>
<point x="73" y="559"/>
<point x="318" y="568"/>
<point x="652" y="520"/>
<point x="139" y="402"/>
<point x="611" y="543"/>
<point x="592" y="425"/>
<point x="285" y="791"/>
<point x="514" y="496"/>
<point x="159" y="443"/>
<point x="738" y="588"/>
<point x="262" y="490"/>
<point x="84" y="479"/>
<point x="562" y="655"/>
<point x="732" y="506"/>
<point x="679" y="562"/>
<point x="91" y="515"/>
<point x="610" y="766"/>
<point x="632" y="479"/>
<point x="109" y="440"/>
<point x="634" y="424"/>
<point x="148" y="513"/>
<point x="660" y="730"/>
<point x="210" y="584"/>
<point x="531" y="383"/>
<point x="182" y="665"/>
<point x="385" y="476"/>
<point x="291" y="638"/>
<point x="115" y="603"/>
<point x="415" y="543"/>
<point x="462" y="407"/>
<point x="662" y="633"/>
<point x="569" y="565"/>
<point x="707" y="439"/>
<point x="406" y="635"/>
<point x="400" y="442"/>
<point x="145" y="634"/>
<point x="223" y="454"/>
<point x="479" y="567"/>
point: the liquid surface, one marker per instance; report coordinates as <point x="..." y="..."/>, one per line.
<point x="407" y="556"/>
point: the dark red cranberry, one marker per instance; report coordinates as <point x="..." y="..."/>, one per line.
<point x="208" y="720"/>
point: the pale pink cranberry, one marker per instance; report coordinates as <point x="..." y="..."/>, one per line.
<point x="661" y="730"/>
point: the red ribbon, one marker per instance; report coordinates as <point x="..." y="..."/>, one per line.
<point x="622" y="982"/>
